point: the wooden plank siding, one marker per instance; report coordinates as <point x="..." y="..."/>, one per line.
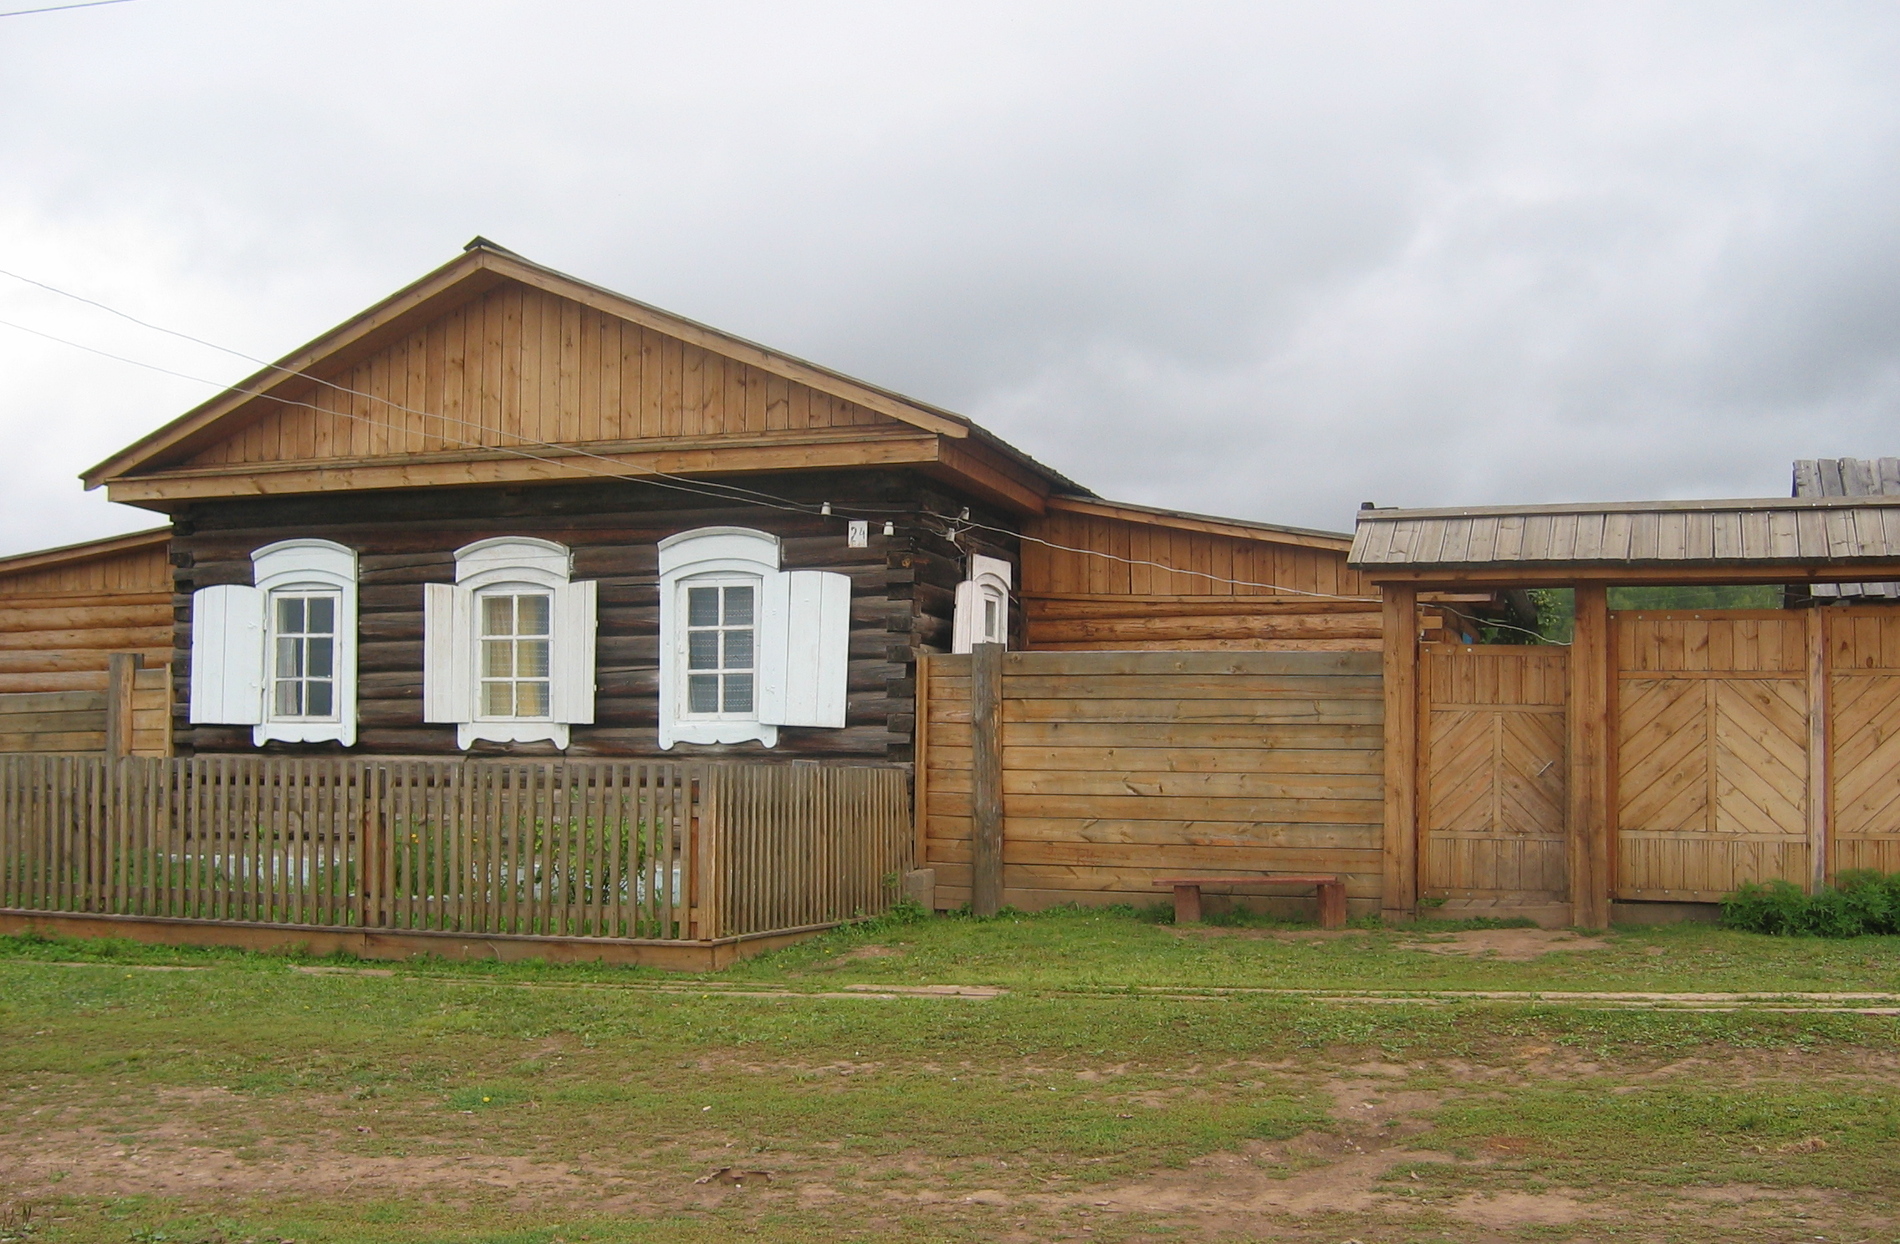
<point x="1121" y="768"/>
<point x="903" y="592"/>
<point x="1863" y="771"/>
<point x="521" y="366"/>
<point x="1285" y="600"/>
<point x="60" y="619"/>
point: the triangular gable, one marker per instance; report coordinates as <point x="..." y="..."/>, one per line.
<point x="491" y="351"/>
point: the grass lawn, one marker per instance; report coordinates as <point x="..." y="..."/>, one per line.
<point x="1109" y="1090"/>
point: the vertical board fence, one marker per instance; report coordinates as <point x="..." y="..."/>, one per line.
<point x="594" y="849"/>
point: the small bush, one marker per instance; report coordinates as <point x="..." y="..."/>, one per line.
<point x="1860" y="901"/>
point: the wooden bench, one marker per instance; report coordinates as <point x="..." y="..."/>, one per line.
<point x="1187" y="895"/>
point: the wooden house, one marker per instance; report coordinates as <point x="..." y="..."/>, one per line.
<point x="505" y="511"/>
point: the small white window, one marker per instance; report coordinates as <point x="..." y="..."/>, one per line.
<point x="746" y="647"/>
<point x="508" y="649"/>
<point x="982" y="610"/>
<point x="280" y="656"/>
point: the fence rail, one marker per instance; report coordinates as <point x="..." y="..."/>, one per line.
<point x="585" y="849"/>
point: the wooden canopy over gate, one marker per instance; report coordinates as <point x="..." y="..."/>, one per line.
<point x="1660" y="756"/>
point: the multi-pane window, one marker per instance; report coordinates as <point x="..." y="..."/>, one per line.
<point x="721" y="649"/>
<point x="516" y="630"/>
<point x="303" y="673"/>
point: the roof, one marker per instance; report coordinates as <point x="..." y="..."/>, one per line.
<point x="85" y="550"/>
<point x="1849" y="477"/>
<point x="1819" y="534"/>
<point x="1239" y="528"/>
<point x="481" y="267"/>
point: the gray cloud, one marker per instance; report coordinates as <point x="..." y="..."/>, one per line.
<point x="1260" y="260"/>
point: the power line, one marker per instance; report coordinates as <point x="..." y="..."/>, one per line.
<point x="57" y="8"/>
<point x="657" y="478"/>
<point x="738" y="491"/>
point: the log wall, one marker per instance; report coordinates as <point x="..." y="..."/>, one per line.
<point x="1121" y="768"/>
<point x="903" y="592"/>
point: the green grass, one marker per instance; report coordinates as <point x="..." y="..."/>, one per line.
<point x="530" y="1102"/>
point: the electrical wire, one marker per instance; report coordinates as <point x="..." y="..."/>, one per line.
<point x="737" y="492"/>
<point x="717" y="490"/>
<point x="59" y="8"/>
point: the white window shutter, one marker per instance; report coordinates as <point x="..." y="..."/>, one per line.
<point x="575" y="616"/>
<point x="804" y="648"/>
<point x="448" y="653"/>
<point x="227" y="655"/>
<point x="967" y="623"/>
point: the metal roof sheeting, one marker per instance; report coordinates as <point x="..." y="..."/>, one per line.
<point x="1819" y="531"/>
<point x="1849" y="477"/>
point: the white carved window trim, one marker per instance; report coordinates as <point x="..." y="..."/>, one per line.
<point x="452" y="664"/>
<point x="723" y="555"/>
<point x="303" y="568"/>
<point x="982" y="608"/>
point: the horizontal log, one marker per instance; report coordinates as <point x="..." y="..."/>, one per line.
<point x="30" y="661"/>
<point x="1356" y="711"/>
<point x="1248" y="811"/>
<point x="10" y="601"/>
<point x="1192" y="664"/>
<point x="53" y="702"/>
<point x="77" y="681"/>
<point x="1039" y="607"/>
<point x="110" y="638"/>
<point x="53" y="722"/>
<point x="86" y="617"/>
<point x="72" y="741"/>
<point x="1219" y="626"/>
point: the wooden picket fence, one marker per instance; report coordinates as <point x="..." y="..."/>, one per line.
<point x="582" y="849"/>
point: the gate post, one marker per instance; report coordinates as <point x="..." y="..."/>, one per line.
<point x="1400" y="842"/>
<point x="1587" y="804"/>
<point x="986" y="779"/>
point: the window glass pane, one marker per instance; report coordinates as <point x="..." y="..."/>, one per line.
<point x="322" y="619"/>
<point x="533" y="617"/>
<point x="738" y="693"/>
<point x="989" y="617"/>
<point x="498" y="658"/>
<point x="531" y="658"/>
<point x="289" y="658"/>
<point x="498" y="699"/>
<point x="702" y="693"/>
<point x="702" y="606"/>
<point x="702" y="650"/>
<point x="289" y="699"/>
<point x="289" y="614"/>
<point x="498" y="615"/>
<point x="739" y="606"/>
<point x="320" y="698"/>
<point x="531" y="699"/>
<point x="319" y="657"/>
<point x="738" y="650"/>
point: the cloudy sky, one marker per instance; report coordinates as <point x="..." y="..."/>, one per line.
<point x="1257" y="259"/>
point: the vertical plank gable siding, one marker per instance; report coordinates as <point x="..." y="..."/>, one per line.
<point x="1078" y="601"/>
<point x="903" y="590"/>
<point x="563" y="849"/>
<point x="59" y="623"/>
<point x="518" y="366"/>
<point x="1119" y="768"/>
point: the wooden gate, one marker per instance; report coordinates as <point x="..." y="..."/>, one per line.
<point x="1712" y="751"/>
<point x="1492" y="790"/>
<point x="1863" y="647"/>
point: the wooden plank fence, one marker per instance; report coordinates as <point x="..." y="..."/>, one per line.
<point x="587" y="849"/>
<point x="1117" y="768"/>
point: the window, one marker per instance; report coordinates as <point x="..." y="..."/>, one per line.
<point x="517" y="634"/>
<point x="280" y="656"/>
<point x="303" y="635"/>
<point x="508" y="648"/>
<point x="721" y="649"/>
<point x="746" y="647"/>
<point x="982" y="608"/>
